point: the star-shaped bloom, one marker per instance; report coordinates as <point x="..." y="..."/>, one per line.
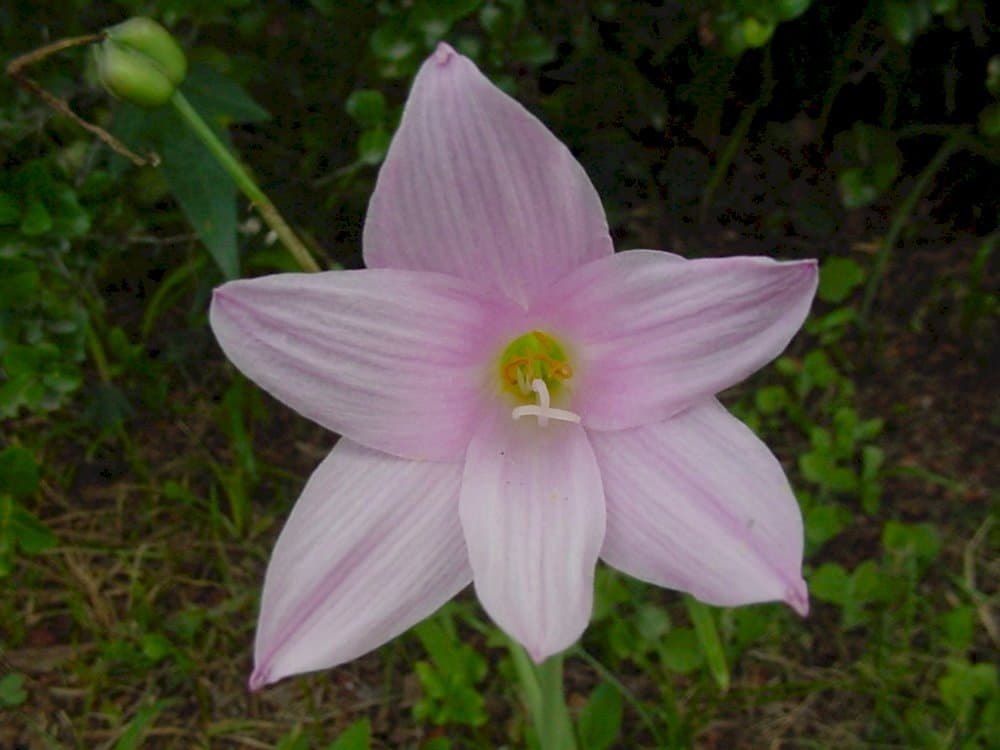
<point x="515" y="400"/>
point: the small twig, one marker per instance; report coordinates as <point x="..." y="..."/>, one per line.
<point x="15" y="69"/>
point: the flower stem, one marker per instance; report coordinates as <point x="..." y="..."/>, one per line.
<point x="542" y="687"/>
<point x="245" y="183"/>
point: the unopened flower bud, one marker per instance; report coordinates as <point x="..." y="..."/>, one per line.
<point x="141" y="62"/>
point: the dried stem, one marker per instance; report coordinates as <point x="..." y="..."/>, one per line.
<point x="15" y="69"/>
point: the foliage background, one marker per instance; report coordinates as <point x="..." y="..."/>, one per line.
<point x="142" y="482"/>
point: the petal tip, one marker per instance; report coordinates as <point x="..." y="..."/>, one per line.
<point x="797" y="597"/>
<point x="809" y="271"/>
<point x="224" y="294"/>
<point x="444" y="53"/>
<point x="259" y="678"/>
<point x="541" y="651"/>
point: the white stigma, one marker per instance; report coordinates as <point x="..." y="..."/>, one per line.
<point x="543" y="411"/>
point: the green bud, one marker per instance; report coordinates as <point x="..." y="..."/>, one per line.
<point x="141" y="62"/>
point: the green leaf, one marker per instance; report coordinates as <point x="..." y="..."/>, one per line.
<point x="219" y="99"/>
<point x="10" y="211"/>
<point x="18" y="471"/>
<point x="609" y="591"/>
<point x="392" y="41"/>
<point x="69" y="219"/>
<point x="601" y="718"/>
<point x="652" y="622"/>
<point x="830" y="583"/>
<point x="817" y="369"/>
<point x="495" y="22"/>
<point x="920" y="540"/>
<point x="867" y="582"/>
<point x="358" y="736"/>
<point x="367" y="108"/>
<point x="679" y="651"/>
<point x="838" y="277"/>
<point x="205" y="192"/>
<point x="872" y="458"/>
<point x="434" y="18"/>
<point x="850" y="591"/>
<point x="133" y="735"/>
<point x="19" y="282"/>
<point x="708" y="637"/>
<point x="771" y="399"/>
<point x="823" y="522"/>
<point x="789" y="9"/>
<point x="856" y="189"/>
<point x="533" y="49"/>
<point x="958" y="627"/>
<point x="156" y="647"/>
<point x="437" y="639"/>
<point x="136" y="128"/>
<point x="905" y="19"/>
<point x="31" y="534"/>
<point x="872" y="161"/>
<point x="12" y="692"/>
<point x="446" y="10"/>
<point x="819" y="468"/>
<point x="372" y="146"/>
<point x="963" y="684"/>
<point x="36" y="218"/>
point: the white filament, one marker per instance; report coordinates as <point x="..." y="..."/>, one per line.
<point x="543" y="411"/>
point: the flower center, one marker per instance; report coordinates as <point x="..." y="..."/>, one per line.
<point x="533" y="369"/>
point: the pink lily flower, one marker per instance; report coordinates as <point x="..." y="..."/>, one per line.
<point x="515" y="400"/>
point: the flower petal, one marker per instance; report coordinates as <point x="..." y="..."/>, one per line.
<point x="372" y="547"/>
<point x="475" y="185"/>
<point x="656" y="335"/>
<point x="391" y="359"/>
<point x="532" y="510"/>
<point x="698" y="503"/>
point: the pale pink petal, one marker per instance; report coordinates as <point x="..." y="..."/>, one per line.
<point x="372" y="547"/>
<point x="532" y="511"/>
<point x="391" y="359"/>
<point x="475" y="185"/>
<point x="698" y="503"/>
<point x="654" y="335"/>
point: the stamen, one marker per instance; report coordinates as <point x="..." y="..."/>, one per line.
<point x="543" y="411"/>
<point x="522" y="382"/>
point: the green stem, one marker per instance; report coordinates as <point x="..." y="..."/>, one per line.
<point x="736" y="139"/>
<point x="542" y="687"/>
<point x="608" y="676"/>
<point x="245" y="182"/>
<point x="902" y="216"/>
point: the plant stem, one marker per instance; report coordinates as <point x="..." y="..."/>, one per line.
<point x="902" y="216"/>
<point x="245" y="183"/>
<point x="17" y="66"/>
<point x="542" y="687"/>
<point x="736" y="139"/>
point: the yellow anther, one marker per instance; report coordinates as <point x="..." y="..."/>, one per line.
<point x="533" y="356"/>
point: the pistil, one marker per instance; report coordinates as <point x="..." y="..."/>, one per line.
<point x="542" y="410"/>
